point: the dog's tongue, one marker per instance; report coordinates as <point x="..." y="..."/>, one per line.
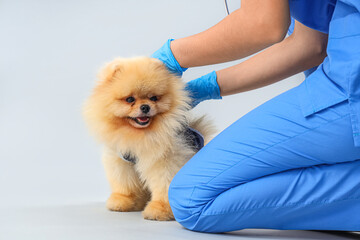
<point x="143" y="119"/>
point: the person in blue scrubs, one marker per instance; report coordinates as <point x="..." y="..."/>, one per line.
<point x="294" y="161"/>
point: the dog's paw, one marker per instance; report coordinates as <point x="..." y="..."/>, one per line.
<point x="158" y="210"/>
<point x="123" y="203"/>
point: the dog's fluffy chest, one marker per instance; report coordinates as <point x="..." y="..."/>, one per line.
<point x="187" y="138"/>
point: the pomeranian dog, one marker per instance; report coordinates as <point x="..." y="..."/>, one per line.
<point x="140" y="111"/>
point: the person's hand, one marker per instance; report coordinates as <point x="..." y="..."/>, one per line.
<point x="165" y="55"/>
<point x="203" y="88"/>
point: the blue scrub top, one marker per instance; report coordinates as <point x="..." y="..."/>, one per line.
<point x="338" y="77"/>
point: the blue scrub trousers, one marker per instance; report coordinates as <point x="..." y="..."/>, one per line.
<point x="274" y="168"/>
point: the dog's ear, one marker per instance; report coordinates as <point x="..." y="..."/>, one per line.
<point x="109" y="70"/>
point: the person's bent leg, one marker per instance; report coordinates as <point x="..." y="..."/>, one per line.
<point x="272" y="138"/>
<point x="323" y="197"/>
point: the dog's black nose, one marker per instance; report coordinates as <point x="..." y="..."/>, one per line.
<point x="145" y="108"/>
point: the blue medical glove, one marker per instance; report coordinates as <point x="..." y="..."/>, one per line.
<point x="165" y="55"/>
<point x="203" y="88"/>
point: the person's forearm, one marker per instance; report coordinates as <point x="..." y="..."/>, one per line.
<point x="304" y="49"/>
<point x="255" y="26"/>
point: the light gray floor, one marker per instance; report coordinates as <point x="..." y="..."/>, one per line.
<point x="92" y="221"/>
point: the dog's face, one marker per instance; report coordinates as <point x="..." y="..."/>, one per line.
<point x="137" y="93"/>
<point x="140" y="93"/>
<point x="139" y="110"/>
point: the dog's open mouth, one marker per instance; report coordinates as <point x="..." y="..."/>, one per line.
<point x="140" y="122"/>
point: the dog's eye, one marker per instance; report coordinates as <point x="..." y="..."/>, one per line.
<point x="130" y="99"/>
<point x="154" y="98"/>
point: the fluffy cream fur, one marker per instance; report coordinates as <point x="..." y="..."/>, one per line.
<point x="114" y="115"/>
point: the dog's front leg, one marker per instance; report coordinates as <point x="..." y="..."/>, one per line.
<point x="128" y="193"/>
<point x="158" y="178"/>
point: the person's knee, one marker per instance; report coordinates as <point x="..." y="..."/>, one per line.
<point x="185" y="210"/>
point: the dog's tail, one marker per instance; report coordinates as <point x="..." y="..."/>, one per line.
<point x="205" y="126"/>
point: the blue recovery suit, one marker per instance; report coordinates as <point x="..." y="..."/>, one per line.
<point x="294" y="161"/>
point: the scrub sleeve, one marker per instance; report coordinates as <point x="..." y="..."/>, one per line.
<point x="291" y="163"/>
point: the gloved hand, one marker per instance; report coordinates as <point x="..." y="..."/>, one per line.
<point x="165" y="55"/>
<point x="203" y="88"/>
